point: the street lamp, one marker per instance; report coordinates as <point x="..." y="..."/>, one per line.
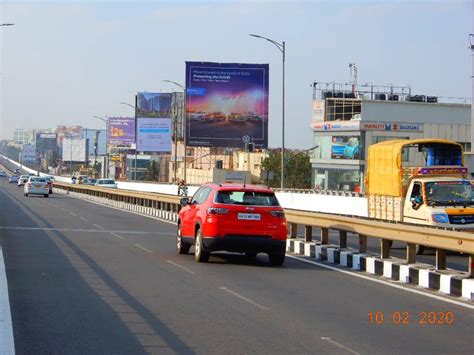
<point x="7" y="24"/>
<point x="127" y="104"/>
<point x="281" y="48"/>
<point x="182" y="87"/>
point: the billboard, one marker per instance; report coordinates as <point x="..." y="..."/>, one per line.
<point x="45" y="142"/>
<point x="75" y="149"/>
<point x="121" y="131"/>
<point x="318" y="110"/>
<point x="345" y="147"/>
<point x="226" y="104"/>
<point x="156" y="105"/>
<point x="153" y="134"/>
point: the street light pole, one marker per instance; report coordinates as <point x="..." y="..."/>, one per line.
<point x="282" y="49"/>
<point x="97" y="147"/>
<point x="184" y="124"/>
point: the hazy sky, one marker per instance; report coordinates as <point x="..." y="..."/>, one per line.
<point x="66" y="61"/>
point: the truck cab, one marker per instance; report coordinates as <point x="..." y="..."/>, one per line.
<point x="440" y="201"/>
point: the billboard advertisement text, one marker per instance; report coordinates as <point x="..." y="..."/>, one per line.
<point x="154" y="134"/>
<point x="226" y="104"/>
<point x="121" y="131"/>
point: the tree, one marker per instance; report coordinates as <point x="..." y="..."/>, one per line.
<point x="297" y="169"/>
<point x="153" y="172"/>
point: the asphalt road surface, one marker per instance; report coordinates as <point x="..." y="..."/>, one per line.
<point x="84" y="278"/>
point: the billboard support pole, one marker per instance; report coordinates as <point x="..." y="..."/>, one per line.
<point x="136" y="139"/>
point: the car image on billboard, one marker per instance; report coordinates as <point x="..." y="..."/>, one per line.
<point x="226" y="104"/>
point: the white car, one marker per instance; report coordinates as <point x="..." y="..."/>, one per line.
<point x="23" y="180"/>
<point x="36" y="186"/>
<point x="106" y="183"/>
<point x="13" y="178"/>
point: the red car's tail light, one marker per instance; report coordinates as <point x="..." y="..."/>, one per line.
<point x="278" y="214"/>
<point x="217" y="210"/>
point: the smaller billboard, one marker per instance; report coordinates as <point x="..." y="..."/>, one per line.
<point x="121" y="131"/>
<point x="45" y="142"/>
<point x="318" y="110"/>
<point x="154" y="134"/>
<point x="75" y="149"/>
<point x="345" y="147"/>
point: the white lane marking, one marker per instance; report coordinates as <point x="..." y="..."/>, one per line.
<point x="47" y="229"/>
<point x="143" y="248"/>
<point x="117" y="236"/>
<point x="97" y="226"/>
<point x="64" y="210"/>
<point x="53" y="205"/>
<point x="244" y="299"/>
<point x="73" y="214"/>
<point x="83" y="219"/>
<point x="7" y="345"/>
<point x="387" y="283"/>
<point x="339" y="345"/>
<point x="180" y="266"/>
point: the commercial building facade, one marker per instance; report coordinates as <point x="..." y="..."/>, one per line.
<point x="344" y="128"/>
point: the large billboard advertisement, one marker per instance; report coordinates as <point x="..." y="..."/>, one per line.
<point x="226" y="104"/>
<point x="75" y="149"/>
<point x="121" y="131"/>
<point x="45" y="142"/>
<point x="153" y="105"/>
<point x="153" y="134"/>
<point x="345" y="147"/>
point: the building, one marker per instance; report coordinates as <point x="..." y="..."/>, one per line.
<point x="24" y="135"/>
<point x="346" y="122"/>
<point x="96" y="138"/>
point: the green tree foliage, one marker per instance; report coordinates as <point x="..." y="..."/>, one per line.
<point x="153" y="172"/>
<point x="297" y="169"/>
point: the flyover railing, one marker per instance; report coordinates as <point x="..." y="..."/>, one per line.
<point x="167" y="206"/>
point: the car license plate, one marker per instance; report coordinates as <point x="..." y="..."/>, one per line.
<point x="249" y="216"/>
<point x="37" y="186"/>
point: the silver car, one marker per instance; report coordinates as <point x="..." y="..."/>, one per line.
<point x="106" y="183"/>
<point x="23" y="180"/>
<point x="36" y="186"/>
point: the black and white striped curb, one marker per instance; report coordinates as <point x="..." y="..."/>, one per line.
<point x="448" y="281"/>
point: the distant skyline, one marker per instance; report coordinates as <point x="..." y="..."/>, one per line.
<point x="64" y="62"/>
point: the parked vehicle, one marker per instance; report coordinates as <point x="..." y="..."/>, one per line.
<point x="437" y="194"/>
<point x="13" y="179"/>
<point x="232" y="217"/>
<point x="3" y="173"/>
<point x="81" y="178"/>
<point x="109" y="183"/>
<point x="36" y="186"/>
<point x="23" y="180"/>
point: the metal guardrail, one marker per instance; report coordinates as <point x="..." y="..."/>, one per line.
<point x="440" y="239"/>
<point x="322" y="192"/>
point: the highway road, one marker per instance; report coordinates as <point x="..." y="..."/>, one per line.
<point x="84" y="278"/>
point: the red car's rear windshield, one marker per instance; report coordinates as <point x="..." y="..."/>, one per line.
<point x="253" y="198"/>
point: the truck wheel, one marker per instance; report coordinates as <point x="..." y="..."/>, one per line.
<point x="181" y="247"/>
<point x="200" y="255"/>
<point x="420" y="249"/>
<point x="276" y="259"/>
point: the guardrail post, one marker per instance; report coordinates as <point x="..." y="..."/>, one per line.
<point x="293" y="230"/>
<point x="342" y="239"/>
<point x="411" y="253"/>
<point x="362" y="243"/>
<point x="440" y="259"/>
<point x="385" y="248"/>
<point x="470" y="267"/>
<point x="324" y="236"/>
<point x="308" y="233"/>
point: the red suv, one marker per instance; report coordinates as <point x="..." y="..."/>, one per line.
<point x="235" y="218"/>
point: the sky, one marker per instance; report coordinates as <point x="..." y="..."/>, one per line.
<point x="64" y="62"/>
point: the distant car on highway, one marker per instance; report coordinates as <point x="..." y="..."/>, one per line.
<point x="109" y="183"/>
<point x="23" y="180"/>
<point x="17" y="171"/>
<point x="36" y="186"/>
<point x="13" y="179"/>
<point x="3" y="173"/>
<point x="81" y="178"/>
<point x="89" y="181"/>
<point x="50" y="181"/>
<point x="232" y="217"/>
